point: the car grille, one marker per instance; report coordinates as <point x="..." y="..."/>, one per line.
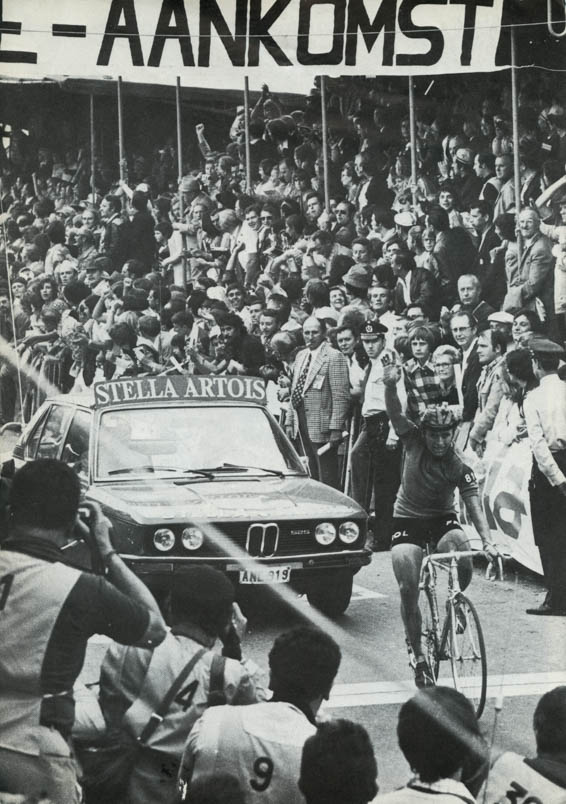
<point x="260" y="540"/>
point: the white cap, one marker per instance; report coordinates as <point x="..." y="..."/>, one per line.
<point x="500" y="317"/>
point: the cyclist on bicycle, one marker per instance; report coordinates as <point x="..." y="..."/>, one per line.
<point x="424" y="511"/>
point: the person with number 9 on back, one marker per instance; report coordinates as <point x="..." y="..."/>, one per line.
<point x="261" y="744"/>
<point x="424" y="512"/>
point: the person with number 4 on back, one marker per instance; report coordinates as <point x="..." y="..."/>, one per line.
<point x="424" y="511"/>
<point x="261" y="744"/>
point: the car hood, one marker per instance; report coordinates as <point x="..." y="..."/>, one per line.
<point x="225" y="500"/>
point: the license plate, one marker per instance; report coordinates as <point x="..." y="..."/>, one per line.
<point x="266" y="575"/>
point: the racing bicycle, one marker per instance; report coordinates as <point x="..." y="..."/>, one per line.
<point x="456" y="635"/>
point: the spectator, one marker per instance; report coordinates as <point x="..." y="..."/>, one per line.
<point x="441" y="740"/>
<point x="303" y="663"/>
<point x="544" y="775"/>
<point x="133" y="681"/>
<point x="545" y="417"/>
<point x="469" y="293"/>
<point x="421" y="381"/>
<point x="491" y="348"/>
<point x="43" y="655"/>
<point x="320" y="401"/>
<point x="338" y="765"/>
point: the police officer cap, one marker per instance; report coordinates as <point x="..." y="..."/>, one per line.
<point x="373" y="328"/>
<point x="544" y="346"/>
<point x="203" y="584"/>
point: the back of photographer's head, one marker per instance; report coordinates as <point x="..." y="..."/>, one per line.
<point x="338" y="765"/>
<point x="202" y="596"/>
<point x="303" y="663"/>
<point x="438" y="733"/>
<point x="549" y="722"/>
<point x="45" y="495"/>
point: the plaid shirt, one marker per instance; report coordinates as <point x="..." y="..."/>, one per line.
<point x="423" y="388"/>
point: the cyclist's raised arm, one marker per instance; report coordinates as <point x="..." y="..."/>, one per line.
<point x="391" y="376"/>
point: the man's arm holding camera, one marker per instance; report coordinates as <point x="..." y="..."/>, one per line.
<point x="122" y="578"/>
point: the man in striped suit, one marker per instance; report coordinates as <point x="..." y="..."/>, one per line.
<point x="320" y="396"/>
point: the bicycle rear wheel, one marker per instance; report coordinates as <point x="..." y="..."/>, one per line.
<point x="429" y="636"/>
<point x="467" y="652"/>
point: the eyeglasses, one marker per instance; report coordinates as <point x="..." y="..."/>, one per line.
<point x="443" y="365"/>
<point x="266" y="218"/>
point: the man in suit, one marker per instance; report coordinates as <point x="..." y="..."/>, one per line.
<point x="320" y="397"/>
<point x="464" y="331"/>
<point x="414" y="285"/>
<point x="536" y="268"/>
<point x="491" y="274"/>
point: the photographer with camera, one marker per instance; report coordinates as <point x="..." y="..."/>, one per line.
<point x="134" y="681"/>
<point x="48" y="611"/>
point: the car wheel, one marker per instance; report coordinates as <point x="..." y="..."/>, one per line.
<point x="331" y="592"/>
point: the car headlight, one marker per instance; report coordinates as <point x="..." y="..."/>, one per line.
<point x="325" y="533"/>
<point x="348" y="532"/>
<point x="192" y="538"/>
<point x="164" y="540"/>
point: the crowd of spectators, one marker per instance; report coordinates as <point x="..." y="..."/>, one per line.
<point x="210" y="275"/>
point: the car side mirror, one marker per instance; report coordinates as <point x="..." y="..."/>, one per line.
<point x="305" y="463"/>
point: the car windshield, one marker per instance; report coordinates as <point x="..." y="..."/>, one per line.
<point x="176" y="441"/>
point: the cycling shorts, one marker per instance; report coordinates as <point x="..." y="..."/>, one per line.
<point x="421" y="532"/>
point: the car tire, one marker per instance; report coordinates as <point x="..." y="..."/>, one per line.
<point x="331" y="592"/>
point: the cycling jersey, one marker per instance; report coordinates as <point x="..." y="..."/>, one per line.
<point x="428" y="482"/>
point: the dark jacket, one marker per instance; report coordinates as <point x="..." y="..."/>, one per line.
<point x="423" y="290"/>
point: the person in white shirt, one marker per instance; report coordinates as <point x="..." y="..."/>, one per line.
<point x="376" y="456"/>
<point x="545" y="416"/>
<point x="440" y="738"/>
<point x="540" y="778"/>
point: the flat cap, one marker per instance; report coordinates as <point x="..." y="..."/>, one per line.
<point x="465" y="156"/>
<point x="501" y="317"/>
<point x="357" y="277"/>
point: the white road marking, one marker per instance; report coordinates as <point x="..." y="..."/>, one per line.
<point x="361" y="593"/>
<point x="381" y="693"/>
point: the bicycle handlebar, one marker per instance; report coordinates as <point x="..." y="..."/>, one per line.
<point x="457" y="554"/>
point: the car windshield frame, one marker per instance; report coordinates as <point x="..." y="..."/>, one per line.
<point x="289" y="462"/>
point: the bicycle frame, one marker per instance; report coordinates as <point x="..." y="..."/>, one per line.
<point x="447" y="562"/>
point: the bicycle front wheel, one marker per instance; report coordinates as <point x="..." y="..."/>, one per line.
<point x="467" y="652"/>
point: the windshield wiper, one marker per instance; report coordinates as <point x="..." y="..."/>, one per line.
<point x="152" y="469"/>
<point x="234" y="467"/>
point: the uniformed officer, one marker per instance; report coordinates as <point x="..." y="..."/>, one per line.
<point x="261" y="744"/>
<point x="542" y="778"/>
<point x="48" y="612"/>
<point x="134" y="681"/>
<point x="376" y="457"/>
<point x="545" y="416"/>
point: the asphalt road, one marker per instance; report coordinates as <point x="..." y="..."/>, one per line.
<point x="525" y="656"/>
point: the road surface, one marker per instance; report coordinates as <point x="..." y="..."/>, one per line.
<point x="525" y="657"/>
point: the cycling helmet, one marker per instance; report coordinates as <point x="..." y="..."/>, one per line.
<point x="438" y="417"/>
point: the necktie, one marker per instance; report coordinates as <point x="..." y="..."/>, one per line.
<point x="297" y="396"/>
